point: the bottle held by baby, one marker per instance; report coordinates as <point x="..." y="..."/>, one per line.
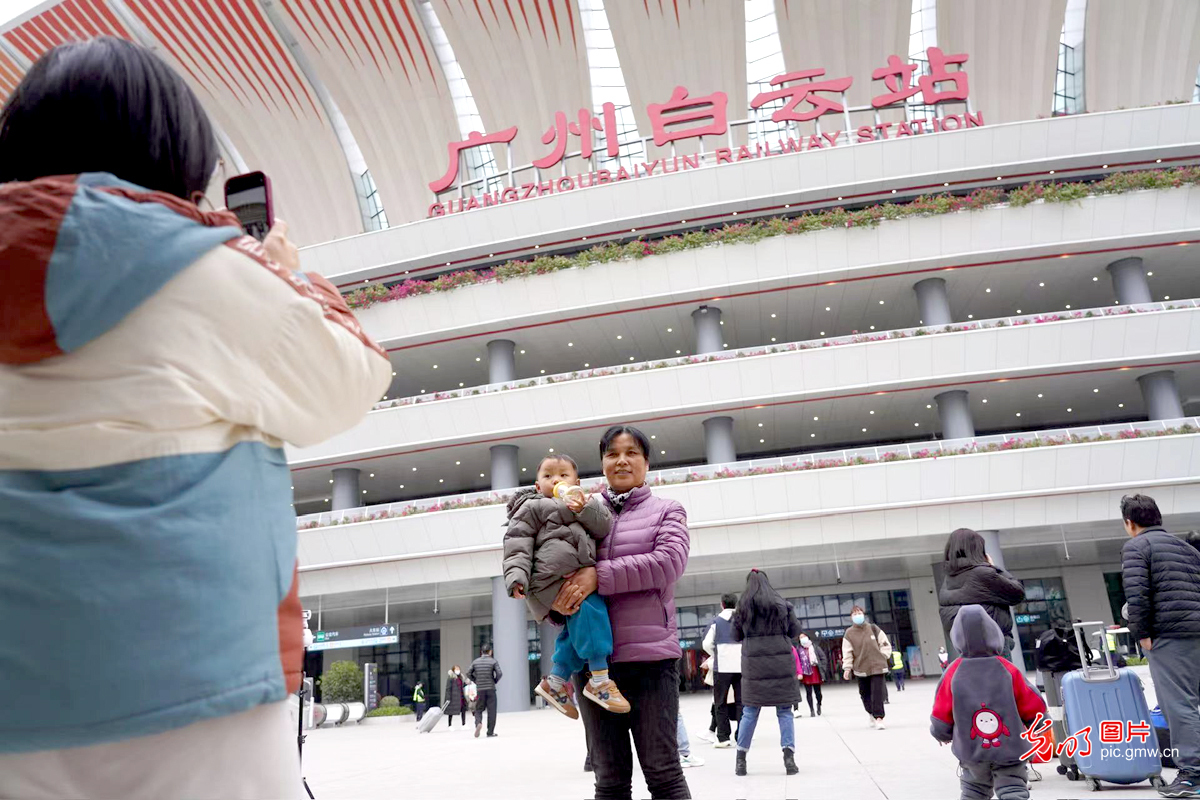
<point x="565" y="491"/>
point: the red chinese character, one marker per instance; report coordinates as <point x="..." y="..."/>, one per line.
<point x="803" y="92"/>
<point x="688" y="110"/>
<point x="1139" y="729"/>
<point x="897" y="77"/>
<point x="1071" y="745"/>
<point x="557" y="133"/>
<point x="1039" y="735"/>
<point x="938" y="74"/>
<point x="1112" y="731"/>
<point x="474" y="139"/>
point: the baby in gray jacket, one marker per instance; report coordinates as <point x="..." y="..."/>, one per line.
<point x="552" y="533"/>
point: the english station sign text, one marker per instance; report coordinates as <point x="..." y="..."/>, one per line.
<point x="804" y="98"/>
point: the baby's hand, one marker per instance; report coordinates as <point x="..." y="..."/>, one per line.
<point x="518" y="592"/>
<point x="576" y="501"/>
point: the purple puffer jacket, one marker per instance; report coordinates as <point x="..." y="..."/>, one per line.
<point x="637" y="566"/>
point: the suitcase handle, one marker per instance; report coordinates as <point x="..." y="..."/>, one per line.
<point x="1094" y="674"/>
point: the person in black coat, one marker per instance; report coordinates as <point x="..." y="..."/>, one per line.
<point x="456" y="702"/>
<point x="766" y="626"/>
<point x="1161" y="574"/>
<point x="972" y="579"/>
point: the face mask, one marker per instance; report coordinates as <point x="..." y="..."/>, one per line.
<point x="858" y="619"/>
<point x="804" y="641"/>
<point x="456" y="672"/>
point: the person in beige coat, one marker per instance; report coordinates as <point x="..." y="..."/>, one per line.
<point x="865" y="653"/>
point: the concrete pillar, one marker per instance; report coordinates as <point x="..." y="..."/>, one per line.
<point x="510" y="638"/>
<point x="1129" y="281"/>
<point x="991" y="544"/>
<point x="933" y="302"/>
<point x="505" y="472"/>
<point x="707" y="323"/>
<point x="1087" y="594"/>
<point x="1160" y="394"/>
<point x="346" y="491"/>
<point x="954" y="413"/>
<point x="502" y="361"/>
<point x="718" y="440"/>
<point x="923" y="601"/>
<point x="455" y="647"/>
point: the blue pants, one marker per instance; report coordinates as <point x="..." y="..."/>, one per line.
<point x="787" y="727"/>
<point x="585" y="641"/>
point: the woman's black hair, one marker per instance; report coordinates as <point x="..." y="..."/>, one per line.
<point x="965" y="548"/>
<point x="761" y="603"/>
<point x="107" y="105"/>
<point x="617" y="430"/>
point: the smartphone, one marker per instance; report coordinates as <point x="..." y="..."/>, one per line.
<point x="249" y="198"/>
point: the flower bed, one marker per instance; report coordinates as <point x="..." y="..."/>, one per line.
<point x="750" y="232"/>
<point x="1015" y="442"/>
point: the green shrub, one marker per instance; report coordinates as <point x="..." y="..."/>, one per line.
<point x="387" y="701"/>
<point x="1135" y="661"/>
<point x="342" y="682"/>
<point x="390" y="711"/>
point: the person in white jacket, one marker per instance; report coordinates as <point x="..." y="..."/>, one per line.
<point x="727" y="668"/>
<point x="153" y="362"/>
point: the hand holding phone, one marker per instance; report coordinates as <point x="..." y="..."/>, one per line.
<point x="280" y="249"/>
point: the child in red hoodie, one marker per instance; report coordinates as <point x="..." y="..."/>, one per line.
<point x="983" y="704"/>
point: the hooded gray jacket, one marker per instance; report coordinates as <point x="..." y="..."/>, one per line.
<point x="983" y="702"/>
<point x="546" y="542"/>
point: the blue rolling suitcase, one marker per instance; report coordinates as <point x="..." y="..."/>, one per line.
<point x="1092" y="695"/>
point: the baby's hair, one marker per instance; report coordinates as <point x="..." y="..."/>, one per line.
<point x="559" y="457"/>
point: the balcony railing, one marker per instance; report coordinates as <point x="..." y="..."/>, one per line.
<point x="877" y="454"/>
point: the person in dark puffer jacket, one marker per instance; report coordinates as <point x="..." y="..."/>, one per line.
<point x="1161" y="573"/>
<point x="972" y="579"/>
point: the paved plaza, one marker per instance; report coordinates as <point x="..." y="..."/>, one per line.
<point x="539" y="754"/>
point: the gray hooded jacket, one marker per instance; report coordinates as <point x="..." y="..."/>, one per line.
<point x="546" y="542"/>
<point x="983" y="702"/>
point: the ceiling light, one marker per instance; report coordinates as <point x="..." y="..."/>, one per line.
<point x="551" y="449"/>
<point x="1094" y="278"/>
<point x="864" y="430"/>
<point x="812" y="436"/>
<point x="722" y="322"/>
<point x="880" y="302"/>
<point x="985" y="399"/>
<point x="364" y="491"/>
<point x="570" y="344"/>
<point x="1095" y="391"/>
<point x="735" y="213"/>
<point x="422" y="391"/>
<point x="481" y="474"/>
<point x="970" y="316"/>
<point x="871" y="412"/>
<point x="669" y="330"/>
<point x="724" y="345"/>
<point x="789" y="205"/>
<point x="683" y="222"/>
<point x="524" y="469"/>
<point x="331" y="480"/>
<point x="760" y="424"/>
<point x="822" y="333"/>
<point x="491" y="255"/>
<point x="1051" y="172"/>
<point x="1158" y="161"/>
<point x="1149" y="274"/>
<point x="654" y="436"/>
<point x="772" y="316"/>
<point x="916" y="424"/>
<point x="372" y="475"/>
<point x="441" y="480"/>
<point x="585" y="238"/>
<point x="402" y="486"/>
<point x="435" y="366"/>
<point x="872" y="327"/>
<point x="1040" y="283"/>
<point x="414" y="469"/>
<point x="945" y="184"/>
<point x="293" y="488"/>
<point x="1018" y="413"/>
<point x="815" y="419"/>
<point x="1039" y="395"/>
<point x="543" y="372"/>
<point x="826" y="308"/>
<point x="522" y="352"/>
<point x="929" y="405"/>
<point x="326" y="499"/>
<point x="662" y="452"/>
<point x="839" y="198"/>
<point x="461" y="384"/>
<point x="1166" y="297"/>
<point x="458" y="463"/>
<point x="393" y="374"/>
<point x="633" y="230"/>
<point x="385" y="397"/>
<point x="477" y="358"/>
<point x="762" y="441"/>
<point x="1068" y="306"/>
<point x="773" y="339"/>
<point x="1068" y="411"/>
<point x="447" y="263"/>
<point x="1105" y="166"/>
<point x="989" y="291"/>
<point x="619" y="336"/>
<point x="1120" y="405"/>
<point x="631" y="357"/>
<point x="586" y="364"/>
<point x="677" y="352"/>
<point x="1018" y="311"/>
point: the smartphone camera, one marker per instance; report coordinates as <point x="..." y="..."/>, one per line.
<point x="249" y="198"/>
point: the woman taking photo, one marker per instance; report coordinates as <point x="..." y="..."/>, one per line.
<point x="972" y="579"/>
<point x="637" y="565"/>
<point x="866" y="652"/>
<point x="766" y="626"/>
<point x="153" y="361"/>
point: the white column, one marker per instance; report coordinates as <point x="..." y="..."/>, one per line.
<point x="1160" y="394"/>
<point x="346" y="491"/>
<point x="1129" y="281"/>
<point x="502" y="361"/>
<point x="505" y="472"/>
<point x="707" y="323"/>
<point x="991" y="544"/>
<point x="510" y="637"/>
<point x="718" y="440"/>
<point x="954" y="413"/>
<point x="456" y="647"/>
<point x="933" y="301"/>
<point x="923" y="600"/>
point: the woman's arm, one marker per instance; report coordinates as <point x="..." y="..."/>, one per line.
<point x="1007" y="590"/>
<point x="658" y="569"/>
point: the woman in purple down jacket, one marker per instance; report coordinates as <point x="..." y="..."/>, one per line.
<point x="636" y="569"/>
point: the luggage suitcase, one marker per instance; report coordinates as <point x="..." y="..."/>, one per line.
<point x="1092" y="695"/>
<point x="432" y="717"/>
<point x="1163" y="734"/>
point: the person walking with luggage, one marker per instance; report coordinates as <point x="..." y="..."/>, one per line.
<point x="485" y="671"/>
<point x="726" y="653"/>
<point x="455" y="702"/>
<point x="972" y="579"/>
<point x="898" y="669"/>
<point x="865" y="654"/>
<point x="982" y="705"/>
<point x="813" y="664"/>
<point x="1161" y="574"/>
<point x="766" y="625"/>
<point x="419" y="700"/>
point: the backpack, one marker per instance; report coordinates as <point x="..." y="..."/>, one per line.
<point x="1056" y="652"/>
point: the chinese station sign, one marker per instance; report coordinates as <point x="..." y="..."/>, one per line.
<point x="802" y="96"/>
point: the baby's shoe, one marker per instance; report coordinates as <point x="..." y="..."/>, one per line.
<point x="558" y="698"/>
<point x="607" y="696"/>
